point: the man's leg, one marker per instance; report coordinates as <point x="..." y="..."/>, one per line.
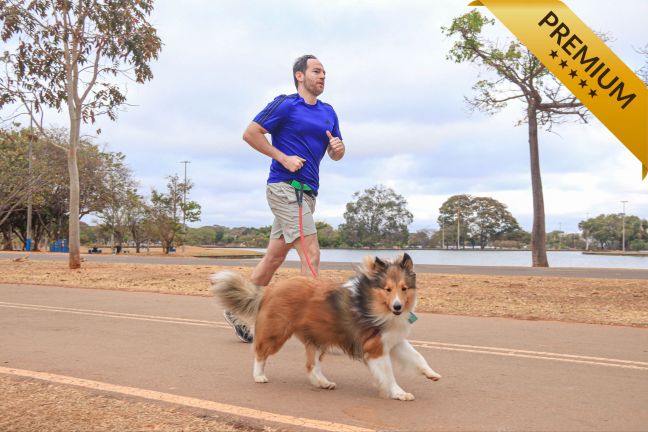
<point x="274" y="257"/>
<point x="312" y="247"/>
<point x="261" y="275"/>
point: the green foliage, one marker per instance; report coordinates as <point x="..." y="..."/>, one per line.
<point x="167" y="211"/>
<point x="424" y="238"/>
<point x="201" y="236"/>
<point x="469" y="26"/>
<point x="377" y="217"/>
<point x="327" y="236"/>
<point x="68" y="51"/>
<point x="637" y="245"/>
<point x="478" y="220"/>
<point x="50" y="185"/>
<point x="119" y="197"/>
<point x="90" y="235"/>
<point x="233" y="237"/>
<point x="607" y="230"/>
<point x="519" y="239"/>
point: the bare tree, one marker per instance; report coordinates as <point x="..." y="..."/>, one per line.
<point x="68" y="53"/>
<point x="517" y="76"/>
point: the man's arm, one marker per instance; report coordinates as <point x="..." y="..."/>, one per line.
<point x="335" y="148"/>
<point x="255" y="136"/>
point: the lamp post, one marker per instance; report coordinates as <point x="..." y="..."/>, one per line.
<point x="623" y="227"/>
<point x="28" y="240"/>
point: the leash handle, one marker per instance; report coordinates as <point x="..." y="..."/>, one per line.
<point x="300" y="197"/>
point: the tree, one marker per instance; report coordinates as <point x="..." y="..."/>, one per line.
<point x="327" y="236"/>
<point x="519" y="76"/>
<point x="514" y="239"/>
<point x="422" y="238"/>
<point x="67" y="52"/>
<point x="491" y="220"/>
<point x="607" y="230"/>
<point x="119" y="197"/>
<point x="454" y="216"/>
<point x="601" y="229"/>
<point x="481" y="220"/>
<point x="15" y="182"/>
<point x="376" y="217"/>
<point x="136" y="211"/>
<point x="166" y="210"/>
<point x="50" y="186"/>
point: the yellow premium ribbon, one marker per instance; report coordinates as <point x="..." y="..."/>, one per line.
<point x="584" y="64"/>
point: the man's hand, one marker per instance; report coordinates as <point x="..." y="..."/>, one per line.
<point x="292" y="163"/>
<point x="336" y="147"/>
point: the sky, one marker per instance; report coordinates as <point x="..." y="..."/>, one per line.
<point x="400" y="102"/>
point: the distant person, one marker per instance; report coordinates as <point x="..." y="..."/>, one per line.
<point x="303" y="128"/>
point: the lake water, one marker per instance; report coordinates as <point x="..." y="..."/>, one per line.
<point x="484" y="258"/>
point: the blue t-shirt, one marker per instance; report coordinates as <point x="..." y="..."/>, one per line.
<point x="298" y="129"/>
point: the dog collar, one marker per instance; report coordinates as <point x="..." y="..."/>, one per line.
<point x="411" y="318"/>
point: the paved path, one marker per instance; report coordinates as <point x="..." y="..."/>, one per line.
<point x="598" y="273"/>
<point x="498" y="374"/>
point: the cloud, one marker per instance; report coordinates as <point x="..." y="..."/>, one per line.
<point x="399" y="100"/>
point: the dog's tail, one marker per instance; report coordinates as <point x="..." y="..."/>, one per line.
<point x="237" y="295"/>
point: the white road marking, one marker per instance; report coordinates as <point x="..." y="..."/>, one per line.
<point x="505" y="352"/>
<point x="235" y="410"/>
<point x="108" y="314"/>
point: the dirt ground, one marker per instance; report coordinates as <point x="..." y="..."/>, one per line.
<point x="33" y="405"/>
<point x="600" y="301"/>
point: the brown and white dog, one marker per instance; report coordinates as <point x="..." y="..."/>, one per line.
<point x="368" y="318"/>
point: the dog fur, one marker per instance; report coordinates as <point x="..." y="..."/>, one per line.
<point x="367" y="317"/>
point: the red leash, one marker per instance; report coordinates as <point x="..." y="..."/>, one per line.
<point x="303" y="242"/>
<point x="300" y="198"/>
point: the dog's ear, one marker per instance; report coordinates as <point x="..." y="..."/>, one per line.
<point x="379" y="265"/>
<point x="374" y="265"/>
<point x="406" y="262"/>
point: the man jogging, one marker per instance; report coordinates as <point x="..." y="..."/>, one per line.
<point x="303" y="129"/>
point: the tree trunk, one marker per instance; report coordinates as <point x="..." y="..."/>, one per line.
<point x="7" y="244"/>
<point x="538" y="235"/>
<point x="73" y="223"/>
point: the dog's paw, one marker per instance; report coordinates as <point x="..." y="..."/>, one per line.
<point x="321" y="382"/>
<point x="328" y="385"/>
<point x="404" y="396"/>
<point x="261" y="379"/>
<point x="430" y="374"/>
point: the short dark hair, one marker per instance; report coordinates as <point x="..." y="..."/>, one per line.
<point x="300" y="65"/>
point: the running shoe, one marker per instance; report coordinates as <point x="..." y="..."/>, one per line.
<point x="242" y="331"/>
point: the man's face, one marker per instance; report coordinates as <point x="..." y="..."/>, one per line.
<point x="313" y="79"/>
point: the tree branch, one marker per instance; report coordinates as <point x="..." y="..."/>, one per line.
<point x="95" y="72"/>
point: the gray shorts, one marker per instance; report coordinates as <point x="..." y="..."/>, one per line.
<point x="283" y="203"/>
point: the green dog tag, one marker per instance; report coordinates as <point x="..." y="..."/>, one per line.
<point x="411" y="318"/>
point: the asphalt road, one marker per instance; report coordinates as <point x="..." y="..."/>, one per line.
<point x="597" y="273"/>
<point x="498" y="374"/>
